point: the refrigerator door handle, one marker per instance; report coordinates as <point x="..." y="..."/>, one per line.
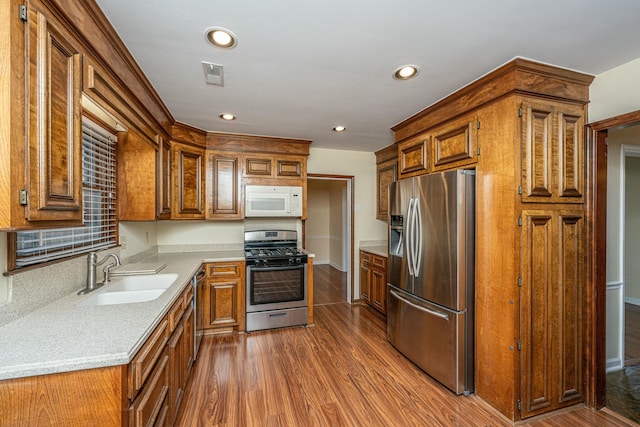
<point x="409" y="237"/>
<point x="418" y="307"/>
<point x="418" y="243"/>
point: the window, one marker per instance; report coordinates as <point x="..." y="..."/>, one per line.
<point x="98" y="204"/>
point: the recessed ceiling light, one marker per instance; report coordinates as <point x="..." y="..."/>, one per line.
<point x="339" y="129"/>
<point x="405" y="72"/>
<point x="227" y="116"/>
<point x="221" y="37"/>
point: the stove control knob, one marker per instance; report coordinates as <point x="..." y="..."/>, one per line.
<point x="291" y="261"/>
<point x="298" y="260"/>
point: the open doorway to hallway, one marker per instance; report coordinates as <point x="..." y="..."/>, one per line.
<point x="328" y="235"/>
<point x="623" y="271"/>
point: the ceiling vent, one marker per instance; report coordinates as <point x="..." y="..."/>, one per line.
<point x="213" y="73"/>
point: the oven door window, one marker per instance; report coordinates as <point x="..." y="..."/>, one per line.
<point x="271" y="285"/>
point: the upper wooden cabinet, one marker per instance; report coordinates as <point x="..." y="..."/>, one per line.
<point x="528" y="152"/>
<point x="274" y="166"/>
<point x="163" y="179"/>
<point x="136" y="177"/>
<point x="224" y="194"/>
<point x="188" y="181"/>
<point x="386" y="173"/>
<point x="553" y="149"/>
<point x="55" y="127"/>
<point x="455" y="143"/>
<point x="414" y="156"/>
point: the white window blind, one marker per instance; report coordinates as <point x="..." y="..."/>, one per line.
<point x="98" y="205"/>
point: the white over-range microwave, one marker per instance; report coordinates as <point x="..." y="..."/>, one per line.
<point x="272" y="200"/>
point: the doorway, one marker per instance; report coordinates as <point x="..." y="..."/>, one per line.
<point x="327" y="233"/>
<point x="611" y="383"/>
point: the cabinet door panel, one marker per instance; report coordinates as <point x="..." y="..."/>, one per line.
<point x="224" y="194"/>
<point x="552" y="306"/>
<point x="258" y="166"/>
<point x="537" y="301"/>
<point x="189" y="182"/>
<point x="454" y="145"/>
<point x="136" y="179"/>
<point x="224" y="303"/>
<point x="537" y="156"/>
<point x="412" y="156"/>
<point x="386" y="174"/>
<point x="365" y="282"/>
<point x="55" y="128"/>
<point x="289" y="168"/>
<point x="570" y="305"/>
<point x="571" y="155"/>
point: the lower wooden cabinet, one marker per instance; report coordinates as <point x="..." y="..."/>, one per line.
<point x="224" y="298"/>
<point x="373" y="280"/>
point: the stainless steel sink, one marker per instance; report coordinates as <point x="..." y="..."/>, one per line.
<point x="131" y="289"/>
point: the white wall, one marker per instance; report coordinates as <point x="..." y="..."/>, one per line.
<point x="362" y="166"/>
<point x="336" y="211"/>
<point x="318" y="225"/>
<point x="615" y="92"/>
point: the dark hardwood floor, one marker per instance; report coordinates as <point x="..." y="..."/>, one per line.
<point x="340" y="372"/>
<point x="329" y="285"/>
<point x="623" y="387"/>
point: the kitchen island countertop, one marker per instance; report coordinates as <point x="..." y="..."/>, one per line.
<point x="65" y="336"/>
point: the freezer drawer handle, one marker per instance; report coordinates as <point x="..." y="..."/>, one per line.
<point x="417" y="307"/>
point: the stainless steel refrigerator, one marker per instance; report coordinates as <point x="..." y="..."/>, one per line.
<point x="431" y="274"/>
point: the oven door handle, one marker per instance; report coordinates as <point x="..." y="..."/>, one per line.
<point x="277" y="268"/>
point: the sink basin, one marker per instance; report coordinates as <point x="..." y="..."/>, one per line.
<point x="126" y="297"/>
<point x="141" y="283"/>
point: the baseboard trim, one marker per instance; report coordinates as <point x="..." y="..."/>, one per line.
<point x="634" y="301"/>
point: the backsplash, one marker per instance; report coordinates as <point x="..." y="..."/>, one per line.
<point x="33" y="289"/>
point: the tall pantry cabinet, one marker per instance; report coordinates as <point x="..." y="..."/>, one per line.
<point x="530" y="230"/>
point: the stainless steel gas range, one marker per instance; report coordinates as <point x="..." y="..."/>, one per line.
<point x="277" y="280"/>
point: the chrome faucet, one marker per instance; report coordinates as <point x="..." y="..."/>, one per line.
<point x="92" y="263"/>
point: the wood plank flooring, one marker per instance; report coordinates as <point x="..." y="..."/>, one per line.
<point x="340" y="372"/>
<point x="329" y="285"/>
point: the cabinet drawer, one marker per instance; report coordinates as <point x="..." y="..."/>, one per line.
<point x="153" y="402"/>
<point x="220" y="270"/>
<point x="142" y="365"/>
<point x="175" y="314"/>
<point x="379" y="261"/>
<point x="365" y="257"/>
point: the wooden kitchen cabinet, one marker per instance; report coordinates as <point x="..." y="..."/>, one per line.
<point x="553" y="305"/>
<point x="55" y="121"/>
<point x="273" y="166"/>
<point x="224" y="298"/>
<point x="188" y="181"/>
<point x="531" y="227"/>
<point x="414" y="156"/>
<point x="163" y="178"/>
<point x="553" y="152"/>
<point x="224" y="194"/>
<point x="386" y="173"/>
<point x="373" y="280"/>
<point x="455" y="144"/>
<point x="365" y="277"/>
<point x="136" y="177"/>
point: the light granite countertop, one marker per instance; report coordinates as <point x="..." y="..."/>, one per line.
<point x="65" y="336"/>
<point x="376" y="249"/>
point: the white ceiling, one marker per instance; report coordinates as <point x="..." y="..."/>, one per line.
<point x="302" y="67"/>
